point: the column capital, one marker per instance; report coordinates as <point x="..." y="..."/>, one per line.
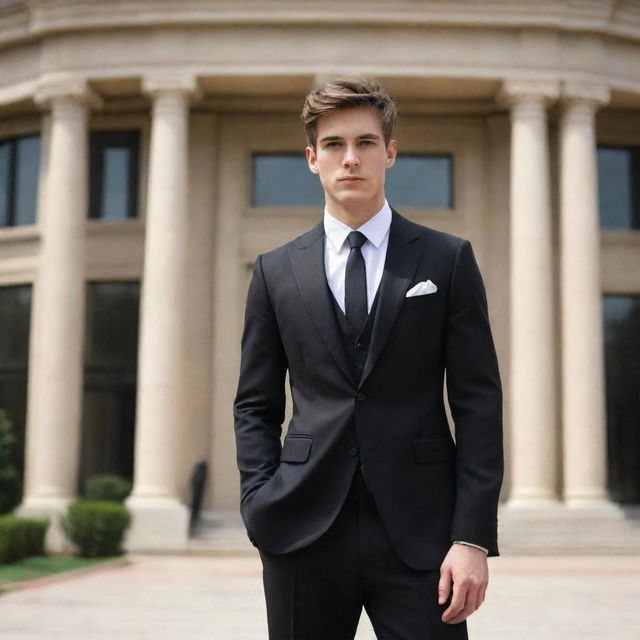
<point x="172" y="84"/>
<point x="515" y="92"/>
<point x="52" y="90"/>
<point x="590" y="92"/>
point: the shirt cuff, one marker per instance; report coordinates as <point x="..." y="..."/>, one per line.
<point x="470" y="544"/>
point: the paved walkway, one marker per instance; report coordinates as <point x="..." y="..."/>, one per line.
<point x="220" y="598"/>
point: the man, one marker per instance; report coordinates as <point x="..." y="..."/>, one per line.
<point x="368" y="502"/>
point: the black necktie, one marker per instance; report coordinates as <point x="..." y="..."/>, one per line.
<point x="355" y="282"/>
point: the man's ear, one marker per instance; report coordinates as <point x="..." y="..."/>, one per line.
<point x="312" y="159"/>
<point x="392" y="152"/>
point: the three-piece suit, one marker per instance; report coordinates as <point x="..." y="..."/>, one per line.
<point x="369" y="403"/>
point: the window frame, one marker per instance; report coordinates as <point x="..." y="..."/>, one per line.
<point x="13" y="141"/>
<point x="99" y="141"/>
<point x="634" y="150"/>
<point x="446" y="155"/>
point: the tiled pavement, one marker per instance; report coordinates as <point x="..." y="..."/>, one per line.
<point x="219" y="598"/>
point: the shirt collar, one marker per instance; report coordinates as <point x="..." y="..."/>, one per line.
<point x="374" y="229"/>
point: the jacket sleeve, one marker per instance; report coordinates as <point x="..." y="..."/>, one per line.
<point x="259" y="404"/>
<point x="475" y="398"/>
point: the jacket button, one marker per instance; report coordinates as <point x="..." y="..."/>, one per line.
<point x="353" y="452"/>
<point x="361" y="397"/>
<point x="360" y="346"/>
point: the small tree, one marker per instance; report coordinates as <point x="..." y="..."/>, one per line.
<point x="9" y="476"/>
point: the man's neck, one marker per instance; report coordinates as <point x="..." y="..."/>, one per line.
<point x="354" y="217"/>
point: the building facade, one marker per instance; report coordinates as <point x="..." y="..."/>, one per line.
<point x="150" y="150"/>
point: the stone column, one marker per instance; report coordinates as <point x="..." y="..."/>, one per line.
<point x="160" y="519"/>
<point x="583" y="414"/>
<point x="533" y="420"/>
<point x="56" y="374"/>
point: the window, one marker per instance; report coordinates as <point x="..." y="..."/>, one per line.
<point x="619" y="187"/>
<point x="113" y="174"/>
<point x="284" y="179"/>
<point x="424" y="181"/>
<point x="418" y="180"/>
<point x="111" y="349"/>
<point x="622" y="365"/>
<point x="19" y="173"/>
<point x="15" y="319"/>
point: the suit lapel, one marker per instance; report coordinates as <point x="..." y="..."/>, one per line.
<point x="307" y="261"/>
<point x="401" y="262"/>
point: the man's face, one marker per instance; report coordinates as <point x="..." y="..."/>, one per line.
<point x="351" y="159"/>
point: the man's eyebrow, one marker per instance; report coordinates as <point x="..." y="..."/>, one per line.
<point x="364" y="136"/>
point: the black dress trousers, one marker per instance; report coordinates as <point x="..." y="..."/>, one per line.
<point x="318" y="592"/>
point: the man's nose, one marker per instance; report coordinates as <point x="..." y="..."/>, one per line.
<point x="350" y="157"/>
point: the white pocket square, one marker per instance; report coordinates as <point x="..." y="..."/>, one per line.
<point x="422" y="289"/>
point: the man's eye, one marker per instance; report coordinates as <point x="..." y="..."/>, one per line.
<point x="333" y="144"/>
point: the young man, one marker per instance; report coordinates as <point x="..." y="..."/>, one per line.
<point x="368" y="501"/>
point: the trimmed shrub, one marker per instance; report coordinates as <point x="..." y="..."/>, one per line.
<point x="97" y="527"/>
<point x="21" y="537"/>
<point x="107" y="487"/>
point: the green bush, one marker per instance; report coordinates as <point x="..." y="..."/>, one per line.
<point x="21" y="537"/>
<point x="10" y="483"/>
<point x="107" y="487"/>
<point x="97" y="527"/>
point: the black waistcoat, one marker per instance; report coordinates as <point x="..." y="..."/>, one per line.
<point x="355" y="343"/>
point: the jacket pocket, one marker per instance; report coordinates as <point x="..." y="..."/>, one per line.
<point x="296" y="449"/>
<point x="436" y="448"/>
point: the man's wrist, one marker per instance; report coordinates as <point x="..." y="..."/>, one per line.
<point x="470" y="544"/>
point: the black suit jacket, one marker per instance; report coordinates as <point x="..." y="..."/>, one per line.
<point x="428" y="489"/>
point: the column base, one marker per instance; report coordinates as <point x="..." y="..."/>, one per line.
<point x="157" y="524"/>
<point x="587" y="498"/>
<point x="54" y="509"/>
<point x="533" y="500"/>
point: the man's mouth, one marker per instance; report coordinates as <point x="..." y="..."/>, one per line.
<point x="350" y="179"/>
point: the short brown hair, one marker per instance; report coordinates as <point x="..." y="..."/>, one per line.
<point x="345" y="93"/>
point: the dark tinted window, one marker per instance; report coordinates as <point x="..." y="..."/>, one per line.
<point x="111" y="350"/>
<point x="284" y="179"/>
<point x="422" y="181"/>
<point x="19" y="177"/>
<point x="15" y="320"/>
<point x="5" y="183"/>
<point x="619" y="187"/>
<point x="622" y="358"/>
<point x="114" y="175"/>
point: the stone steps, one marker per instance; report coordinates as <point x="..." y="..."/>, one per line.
<point x="556" y="530"/>
<point x="565" y="530"/>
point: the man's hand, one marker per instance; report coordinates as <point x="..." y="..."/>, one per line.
<point x="467" y="568"/>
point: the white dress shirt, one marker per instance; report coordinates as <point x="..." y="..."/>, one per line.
<point x="374" y="252"/>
